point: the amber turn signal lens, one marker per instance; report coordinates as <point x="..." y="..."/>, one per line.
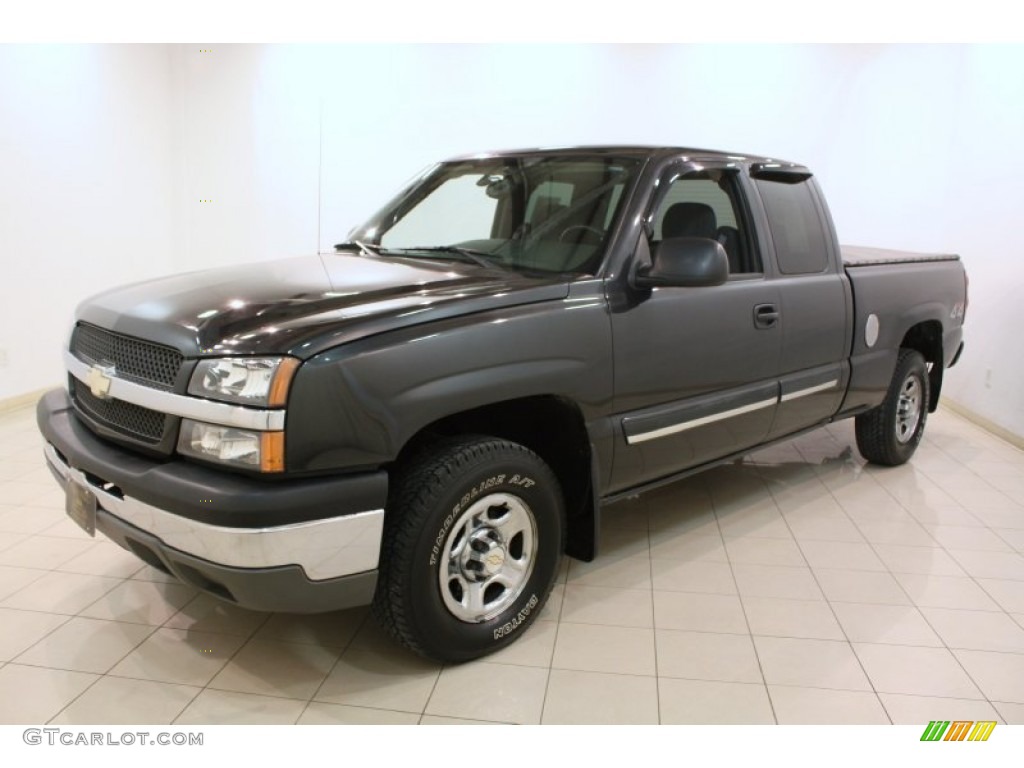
<point x="278" y="395"/>
<point x="272" y="452"/>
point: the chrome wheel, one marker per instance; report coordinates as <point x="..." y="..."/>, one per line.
<point x="908" y="409"/>
<point x="488" y="557"/>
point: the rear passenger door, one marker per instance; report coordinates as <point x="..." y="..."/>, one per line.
<point x="815" y="310"/>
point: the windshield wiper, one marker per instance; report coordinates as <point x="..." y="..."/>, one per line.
<point x="367" y="250"/>
<point x="483" y="258"/>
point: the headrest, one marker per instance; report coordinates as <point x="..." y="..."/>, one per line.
<point x="689" y="220"/>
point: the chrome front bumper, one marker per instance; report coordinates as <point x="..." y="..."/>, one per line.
<point x="323" y="549"/>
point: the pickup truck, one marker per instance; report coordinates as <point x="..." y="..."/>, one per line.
<point x="428" y="418"/>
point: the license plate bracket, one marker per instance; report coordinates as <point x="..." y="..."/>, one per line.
<point x="81" y="506"/>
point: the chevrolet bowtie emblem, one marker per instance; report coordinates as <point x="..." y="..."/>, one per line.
<point x="495" y="559"/>
<point x="98" y="378"/>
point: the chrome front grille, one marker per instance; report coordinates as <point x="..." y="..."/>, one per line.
<point x="143" y="362"/>
<point x="127" y="418"/>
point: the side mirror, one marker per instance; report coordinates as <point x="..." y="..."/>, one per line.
<point x="685" y="262"/>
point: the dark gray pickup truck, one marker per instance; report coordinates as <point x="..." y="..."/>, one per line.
<point x="429" y="418"/>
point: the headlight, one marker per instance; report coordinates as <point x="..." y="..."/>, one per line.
<point x="260" y="381"/>
<point x="263" y="451"/>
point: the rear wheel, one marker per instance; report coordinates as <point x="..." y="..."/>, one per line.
<point x="472" y="541"/>
<point x="890" y="433"/>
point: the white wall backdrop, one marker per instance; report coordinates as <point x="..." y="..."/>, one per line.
<point x="88" y="190"/>
<point x="915" y="147"/>
<point x="250" y="135"/>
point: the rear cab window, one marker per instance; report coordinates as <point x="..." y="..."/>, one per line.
<point x="796" y="226"/>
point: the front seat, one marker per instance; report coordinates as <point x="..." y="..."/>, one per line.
<point x="699" y="220"/>
<point x="689" y="220"/>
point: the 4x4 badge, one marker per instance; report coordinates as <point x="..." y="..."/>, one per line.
<point x="98" y="378"/>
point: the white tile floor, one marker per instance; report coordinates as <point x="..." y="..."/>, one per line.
<point x="798" y="586"/>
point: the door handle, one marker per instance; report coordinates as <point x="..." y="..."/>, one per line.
<point x="766" y="316"/>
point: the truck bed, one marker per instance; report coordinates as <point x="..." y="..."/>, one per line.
<point x="863" y="256"/>
<point x="893" y="291"/>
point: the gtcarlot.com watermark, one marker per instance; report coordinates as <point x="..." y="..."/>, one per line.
<point x="71" y="738"/>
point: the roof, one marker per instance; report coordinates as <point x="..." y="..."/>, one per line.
<point x="635" y="150"/>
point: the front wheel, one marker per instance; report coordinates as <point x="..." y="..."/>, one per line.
<point x="890" y="433"/>
<point x="473" y="537"/>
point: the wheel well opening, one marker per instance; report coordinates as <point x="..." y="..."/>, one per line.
<point x="553" y="428"/>
<point x="926" y="338"/>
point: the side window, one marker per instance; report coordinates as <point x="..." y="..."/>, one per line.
<point x="705" y="205"/>
<point x="797" y="230"/>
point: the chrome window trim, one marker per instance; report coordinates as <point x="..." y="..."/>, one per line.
<point x="209" y="411"/>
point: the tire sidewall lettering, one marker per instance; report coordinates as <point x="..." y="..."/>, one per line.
<point x="489" y="484"/>
<point x="513" y="624"/>
<point x="430" y="504"/>
<point x="524" y="484"/>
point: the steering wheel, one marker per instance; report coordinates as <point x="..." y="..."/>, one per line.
<point x="590" y="230"/>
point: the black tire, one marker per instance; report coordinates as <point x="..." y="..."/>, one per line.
<point x="889" y="434"/>
<point x="469" y="519"/>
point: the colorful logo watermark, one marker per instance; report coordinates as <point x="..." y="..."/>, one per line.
<point x="958" y="730"/>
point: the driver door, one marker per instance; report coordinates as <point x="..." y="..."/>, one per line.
<point x="696" y="369"/>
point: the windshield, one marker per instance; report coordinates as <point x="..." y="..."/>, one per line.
<point x="539" y="214"/>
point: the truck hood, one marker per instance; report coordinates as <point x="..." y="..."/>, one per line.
<point x="304" y="305"/>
